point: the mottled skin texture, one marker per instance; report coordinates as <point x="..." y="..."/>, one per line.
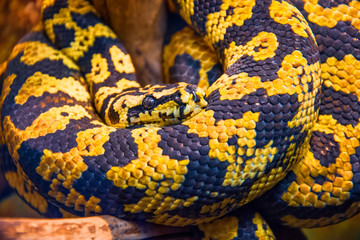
<point x="269" y="116"/>
<point x="323" y="187"/>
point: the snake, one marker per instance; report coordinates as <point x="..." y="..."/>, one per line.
<point x="263" y="132"/>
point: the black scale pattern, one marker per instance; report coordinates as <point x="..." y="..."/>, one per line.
<point x="185" y="69"/>
<point x="202" y="176"/>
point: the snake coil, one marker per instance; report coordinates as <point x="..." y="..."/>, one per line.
<point x="279" y="126"/>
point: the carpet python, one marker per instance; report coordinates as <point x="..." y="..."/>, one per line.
<point x="268" y="118"/>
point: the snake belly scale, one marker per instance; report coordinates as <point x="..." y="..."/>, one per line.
<point x="256" y="126"/>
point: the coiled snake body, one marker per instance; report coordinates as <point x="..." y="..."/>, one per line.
<point x="285" y="107"/>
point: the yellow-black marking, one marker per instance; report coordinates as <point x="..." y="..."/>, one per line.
<point x="224" y="147"/>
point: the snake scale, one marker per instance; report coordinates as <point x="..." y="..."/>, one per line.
<point x="269" y="117"/>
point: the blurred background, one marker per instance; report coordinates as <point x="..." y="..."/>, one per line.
<point x="18" y="17"/>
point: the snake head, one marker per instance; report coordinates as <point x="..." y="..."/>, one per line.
<point x="156" y="105"/>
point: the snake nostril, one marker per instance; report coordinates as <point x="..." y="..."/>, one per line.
<point x="149" y="102"/>
<point x="192" y="90"/>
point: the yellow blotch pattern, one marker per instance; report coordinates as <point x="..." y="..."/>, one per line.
<point x="294" y="76"/>
<point x="266" y="43"/>
<point x="103" y="92"/>
<point x="47" y="3"/>
<point x="3" y="67"/>
<point x="261" y="232"/>
<point x="254" y="167"/>
<point x="122" y="62"/>
<point x="204" y="125"/>
<point x="335" y="190"/>
<point x="47" y="122"/>
<point x="153" y="171"/>
<point x="342" y="75"/>
<point x="39" y="83"/>
<point x="220" y="229"/>
<point x="121" y="85"/>
<point x="285" y="13"/>
<point x="99" y="70"/>
<point x="218" y="22"/>
<point x="186" y="41"/>
<point x="293" y="221"/>
<point x="329" y="17"/>
<point x="84" y="38"/>
<point x="306" y="115"/>
<point x="36" y="51"/>
<point x="66" y="214"/>
<point x="176" y="220"/>
<point x="69" y="166"/>
<point x="26" y="189"/>
<point x="16" y="50"/>
<point x="8" y="81"/>
<point x="78" y="202"/>
<point x="186" y="9"/>
<point x="219" y="208"/>
<point x="276" y="174"/>
<point x="81" y="6"/>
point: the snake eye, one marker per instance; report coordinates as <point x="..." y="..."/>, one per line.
<point x="148" y="102"/>
<point x="177" y="99"/>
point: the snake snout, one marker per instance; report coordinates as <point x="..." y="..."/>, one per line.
<point x="192" y="89"/>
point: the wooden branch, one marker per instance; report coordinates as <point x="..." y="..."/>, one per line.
<point x="99" y="227"/>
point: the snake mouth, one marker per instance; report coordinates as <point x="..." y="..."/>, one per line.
<point x="167" y="117"/>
